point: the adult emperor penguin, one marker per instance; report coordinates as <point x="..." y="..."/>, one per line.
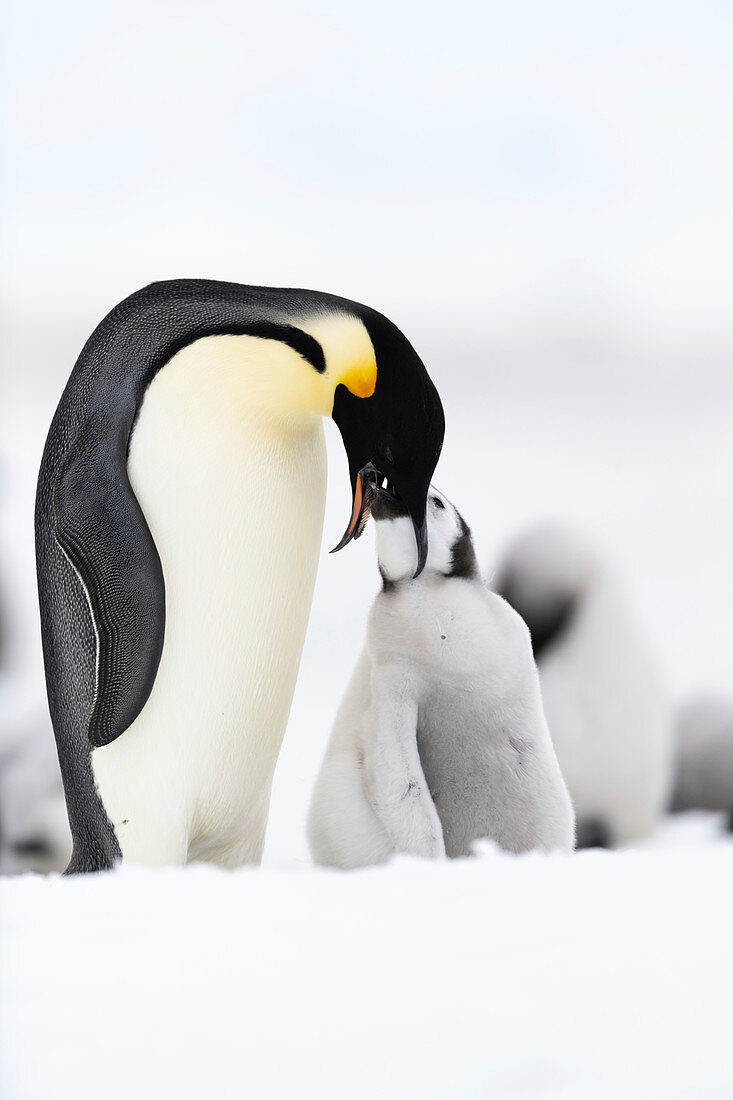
<point x="602" y="693"/>
<point x="441" y="738"/>
<point x="178" y="523"/>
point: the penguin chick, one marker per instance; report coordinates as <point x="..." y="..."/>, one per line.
<point x="603" y="699"/>
<point x="704" y="763"/>
<point x="441" y="737"/>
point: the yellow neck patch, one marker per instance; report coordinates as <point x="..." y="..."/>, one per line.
<point x="350" y="358"/>
<point x="361" y="379"/>
<point x="274" y="382"/>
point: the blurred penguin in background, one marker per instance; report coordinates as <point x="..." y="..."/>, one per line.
<point x="34" y="831"/>
<point x="603" y="699"/>
<point x="704" y="757"/>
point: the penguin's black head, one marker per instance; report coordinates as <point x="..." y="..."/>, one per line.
<point x="393" y="438"/>
<point x="344" y="359"/>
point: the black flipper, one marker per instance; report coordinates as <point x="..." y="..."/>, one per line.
<point x="101" y="528"/>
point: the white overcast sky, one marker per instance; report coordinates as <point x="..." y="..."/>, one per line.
<point x="478" y="164"/>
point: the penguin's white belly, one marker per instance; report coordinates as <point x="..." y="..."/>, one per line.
<point x="235" y="506"/>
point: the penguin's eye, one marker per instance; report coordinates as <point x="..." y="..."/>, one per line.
<point x="438" y="503"/>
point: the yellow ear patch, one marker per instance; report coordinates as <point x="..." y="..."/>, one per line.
<point x="350" y="358"/>
<point x="361" y="379"/>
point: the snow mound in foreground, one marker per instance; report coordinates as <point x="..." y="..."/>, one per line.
<point x="591" y="976"/>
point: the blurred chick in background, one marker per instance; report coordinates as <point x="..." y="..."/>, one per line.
<point x="604" y="702"/>
<point x="704" y="756"/>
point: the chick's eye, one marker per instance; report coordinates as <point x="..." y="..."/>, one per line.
<point x="438" y="503"/>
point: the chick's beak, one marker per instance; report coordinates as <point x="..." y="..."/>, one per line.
<point x="367" y="486"/>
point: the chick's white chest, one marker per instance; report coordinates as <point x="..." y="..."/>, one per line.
<point x="444" y="627"/>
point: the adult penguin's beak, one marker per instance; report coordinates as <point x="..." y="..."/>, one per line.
<point x="392" y="438"/>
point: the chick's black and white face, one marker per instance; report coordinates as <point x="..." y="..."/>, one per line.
<point x="450" y="549"/>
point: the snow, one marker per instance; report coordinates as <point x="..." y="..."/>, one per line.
<point x="592" y="976"/>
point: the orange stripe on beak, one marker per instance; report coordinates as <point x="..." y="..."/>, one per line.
<point x="353" y="529"/>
